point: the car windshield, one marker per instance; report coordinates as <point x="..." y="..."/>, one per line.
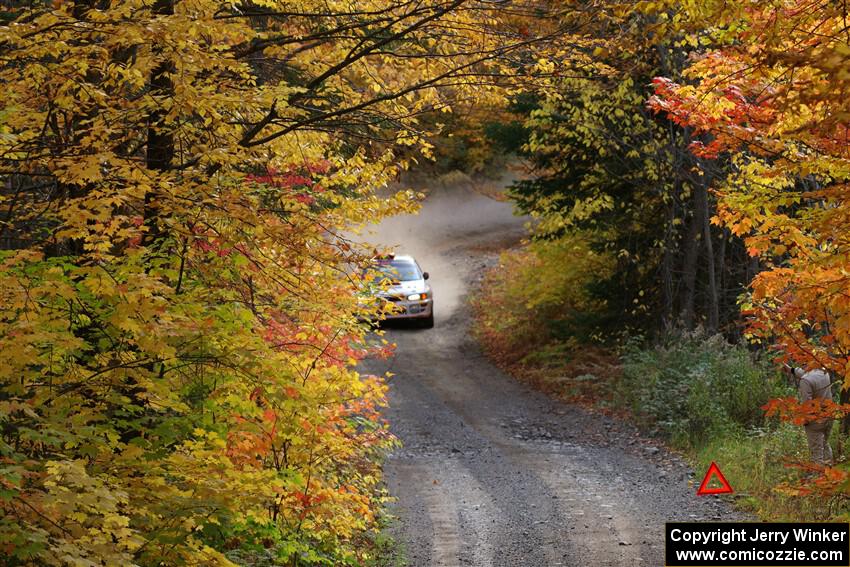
<point x="398" y="270"/>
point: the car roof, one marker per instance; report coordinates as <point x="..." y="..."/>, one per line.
<point x="404" y="258"/>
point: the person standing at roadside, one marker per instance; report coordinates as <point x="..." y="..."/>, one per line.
<point x="813" y="385"/>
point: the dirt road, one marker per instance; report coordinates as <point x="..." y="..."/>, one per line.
<point x="491" y="472"/>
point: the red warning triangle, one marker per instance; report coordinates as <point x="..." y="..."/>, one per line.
<point x="714" y="471"/>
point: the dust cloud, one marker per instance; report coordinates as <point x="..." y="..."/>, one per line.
<point x="455" y="214"/>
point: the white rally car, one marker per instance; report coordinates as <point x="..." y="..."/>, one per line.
<point x="402" y="282"/>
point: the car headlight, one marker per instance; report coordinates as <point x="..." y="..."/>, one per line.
<point x="417" y="296"/>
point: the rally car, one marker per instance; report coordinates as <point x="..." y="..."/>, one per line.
<point x="401" y="282"/>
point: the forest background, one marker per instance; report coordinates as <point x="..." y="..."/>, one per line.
<point x="181" y="302"/>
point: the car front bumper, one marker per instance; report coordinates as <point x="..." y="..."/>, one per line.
<point x="404" y="309"/>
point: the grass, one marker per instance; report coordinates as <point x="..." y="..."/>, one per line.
<point x="386" y="550"/>
<point x="586" y="376"/>
<point x="759" y="464"/>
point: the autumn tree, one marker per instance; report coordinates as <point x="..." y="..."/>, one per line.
<point x="179" y="314"/>
<point x="603" y="164"/>
<point x="768" y="93"/>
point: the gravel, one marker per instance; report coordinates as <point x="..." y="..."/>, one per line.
<point x="492" y="472"/>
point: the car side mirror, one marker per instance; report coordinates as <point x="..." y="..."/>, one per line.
<point x="425" y="275"/>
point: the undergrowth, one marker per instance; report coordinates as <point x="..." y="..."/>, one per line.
<point x="693" y="388"/>
<point x="759" y="464"/>
<point x="534" y="318"/>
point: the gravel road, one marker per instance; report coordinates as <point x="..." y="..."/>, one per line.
<point x="493" y="473"/>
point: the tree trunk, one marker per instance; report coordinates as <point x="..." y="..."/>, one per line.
<point x="160" y="143"/>
<point x="721" y="277"/>
<point x="160" y="153"/>
<point x="701" y="200"/>
<point x="667" y="290"/>
<point x="753" y="268"/>
<point x="689" y="270"/>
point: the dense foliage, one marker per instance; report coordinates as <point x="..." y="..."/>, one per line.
<point x="602" y="161"/>
<point x="180" y="181"/>
<point x="769" y="97"/>
<point x="540" y="293"/>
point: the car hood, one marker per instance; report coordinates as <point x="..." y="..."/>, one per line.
<point x="414" y="286"/>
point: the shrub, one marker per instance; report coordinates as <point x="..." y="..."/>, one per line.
<point x="540" y="294"/>
<point x="694" y="387"/>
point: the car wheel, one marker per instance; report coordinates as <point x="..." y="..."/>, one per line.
<point x="428" y="323"/>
